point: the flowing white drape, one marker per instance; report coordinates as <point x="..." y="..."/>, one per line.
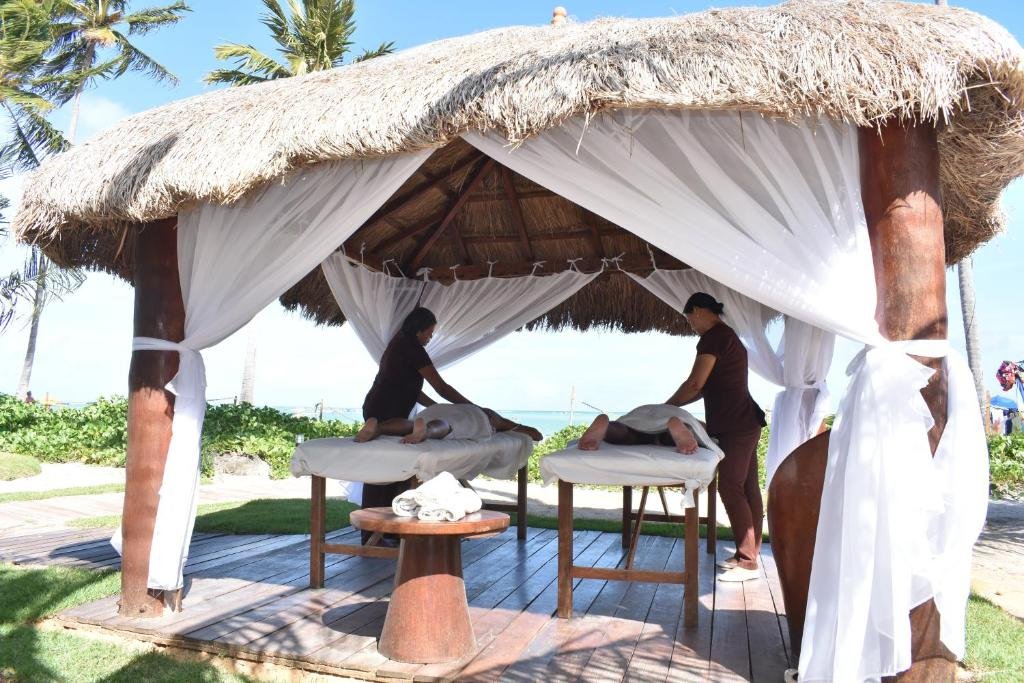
<point x="471" y="314"/>
<point x="800" y="365"/>
<point x="232" y="262"/>
<point x="773" y="211"/>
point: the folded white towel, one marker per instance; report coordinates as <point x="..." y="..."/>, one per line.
<point x="442" y="498"/>
<point x="452" y="508"/>
<point x="405" y="505"/>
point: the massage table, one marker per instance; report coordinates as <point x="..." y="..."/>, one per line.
<point x="629" y="466"/>
<point x="503" y="455"/>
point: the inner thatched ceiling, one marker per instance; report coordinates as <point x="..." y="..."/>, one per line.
<point x="464" y="215"/>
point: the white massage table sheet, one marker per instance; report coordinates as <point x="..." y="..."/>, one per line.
<point x="386" y="459"/>
<point x="633" y="466"/>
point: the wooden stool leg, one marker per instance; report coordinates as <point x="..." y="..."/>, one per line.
<point x="317" y="523"/>
<point x="712" y="515"/>
<point x="627" y="513"/>
<point x="521" y="503"/>
<point x="690" y="557"/>
<point x="664" y="500"/>
<point x="564" y="549"/>
<point x="636" y="527"/>
<point x="428" y="617"/>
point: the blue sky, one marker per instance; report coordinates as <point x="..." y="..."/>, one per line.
<point x="84" y="341"/>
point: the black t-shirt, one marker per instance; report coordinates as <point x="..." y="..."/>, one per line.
<point x="728" y="404"/>
<point x="398" y="382"/>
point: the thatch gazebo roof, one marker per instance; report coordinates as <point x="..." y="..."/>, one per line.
<point x="859" y="61"/>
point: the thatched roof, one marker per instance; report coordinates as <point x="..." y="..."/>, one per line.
<point x="860" y="61"/>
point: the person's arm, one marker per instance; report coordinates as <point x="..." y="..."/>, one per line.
<point x="446" y="390"/>
<point x="690" y="390"/>
<point x="425" y="400"/>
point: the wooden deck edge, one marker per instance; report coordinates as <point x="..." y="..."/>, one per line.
<point x="219" y="649"/>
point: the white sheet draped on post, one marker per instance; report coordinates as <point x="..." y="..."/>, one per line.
<point x="773" y="210"/>
<point x="232" y="262"/>
<point x="800" y="365"/>
<point x="471" y="314"/>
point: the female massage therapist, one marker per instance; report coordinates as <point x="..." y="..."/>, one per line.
<point x="396" y="389"/>
<point x="719" y="375"/>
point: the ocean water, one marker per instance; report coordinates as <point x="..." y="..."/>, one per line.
<point x="547" y="421"/>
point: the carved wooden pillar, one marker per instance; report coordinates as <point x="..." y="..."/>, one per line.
<point x="899" y="168"/>
<point x="159" y="313"/>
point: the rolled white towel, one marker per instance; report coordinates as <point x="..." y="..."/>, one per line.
<point x="452" y="507"/>
<point x="405" y="504"/>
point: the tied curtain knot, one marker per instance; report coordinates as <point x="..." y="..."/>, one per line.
<point x="190" y="380"/>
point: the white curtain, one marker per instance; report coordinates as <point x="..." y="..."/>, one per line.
<point x="232" y="262"/>
<point x="773" y="211"/>
<point x="471" y="314"/>
<point x="800" y="365"/>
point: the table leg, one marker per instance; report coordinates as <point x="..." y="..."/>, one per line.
<point x="428" y="617"/>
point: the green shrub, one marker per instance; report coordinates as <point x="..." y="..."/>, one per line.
<point x="17" y="466"/>
<point x="1006" y="465"/>
<point x="555" y="442"/>
<point x="98" y="433"/>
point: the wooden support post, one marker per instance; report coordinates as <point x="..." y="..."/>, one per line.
<point x="564" y="549"/>
<point x="159" y="313"/>
<point x="317" y="523"/>
<point x="899" y="170"/>
<point x="902" y="204"/>
<point x="712" y="517"/>
<point x="692" y="538"/>
<point x="521" y="497"/>
<point x="627" y="513"/>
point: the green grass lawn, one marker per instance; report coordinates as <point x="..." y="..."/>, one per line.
<point x="15" y="466"/>
<point x="57" y="493"/>
<point x="291" y="516"/>
<point x="995" y="643"/>
<point x="31" y="653"/>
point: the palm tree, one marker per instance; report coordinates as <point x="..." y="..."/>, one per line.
<point x="316" y="36"/>
<point x="24" y="41"/>
<point x="86" y="30"/>
<point x="51" y="51"/>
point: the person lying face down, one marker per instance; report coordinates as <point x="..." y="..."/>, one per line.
<point x="398" y="387"/>
<point x="673" y="433"/>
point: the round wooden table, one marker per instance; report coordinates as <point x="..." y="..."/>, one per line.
<point x="428" y="616"/>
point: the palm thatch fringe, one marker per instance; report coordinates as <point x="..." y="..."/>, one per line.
<point x="859" y="61"/>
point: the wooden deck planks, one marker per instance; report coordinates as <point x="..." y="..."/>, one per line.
<point x="248" y="597"/>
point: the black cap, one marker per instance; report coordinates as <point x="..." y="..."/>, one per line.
<point x="703" y="300"/>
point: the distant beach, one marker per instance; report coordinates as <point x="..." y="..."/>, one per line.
<point x="547" y="421"/>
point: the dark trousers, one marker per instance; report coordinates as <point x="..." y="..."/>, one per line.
<point x="380" y="496"/>
<point x="741" y="493"/>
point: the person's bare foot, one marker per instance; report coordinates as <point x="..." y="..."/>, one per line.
<point x="531" y="432"/>
<point x="369" y="431"/>
<point x="419" y="432"/>
<point x="592" y="438"/>
<point x="681" y="434"/>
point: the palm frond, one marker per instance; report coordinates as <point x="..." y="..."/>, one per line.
<point x="233" y="77"/>
<point x="151" y="18"/>
<point x="277" y="21"/>
<point x="32" y="138"/>
<point x="134" y="59"/>
<point x="23" y="98"/>
<point x="251" y="66"/>
<point x="383" y="49"/>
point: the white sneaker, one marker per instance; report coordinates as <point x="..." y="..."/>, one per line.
<point x="727" y="563"/>
<point x="790" y="676"/>
<point x="737" y="574"/>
